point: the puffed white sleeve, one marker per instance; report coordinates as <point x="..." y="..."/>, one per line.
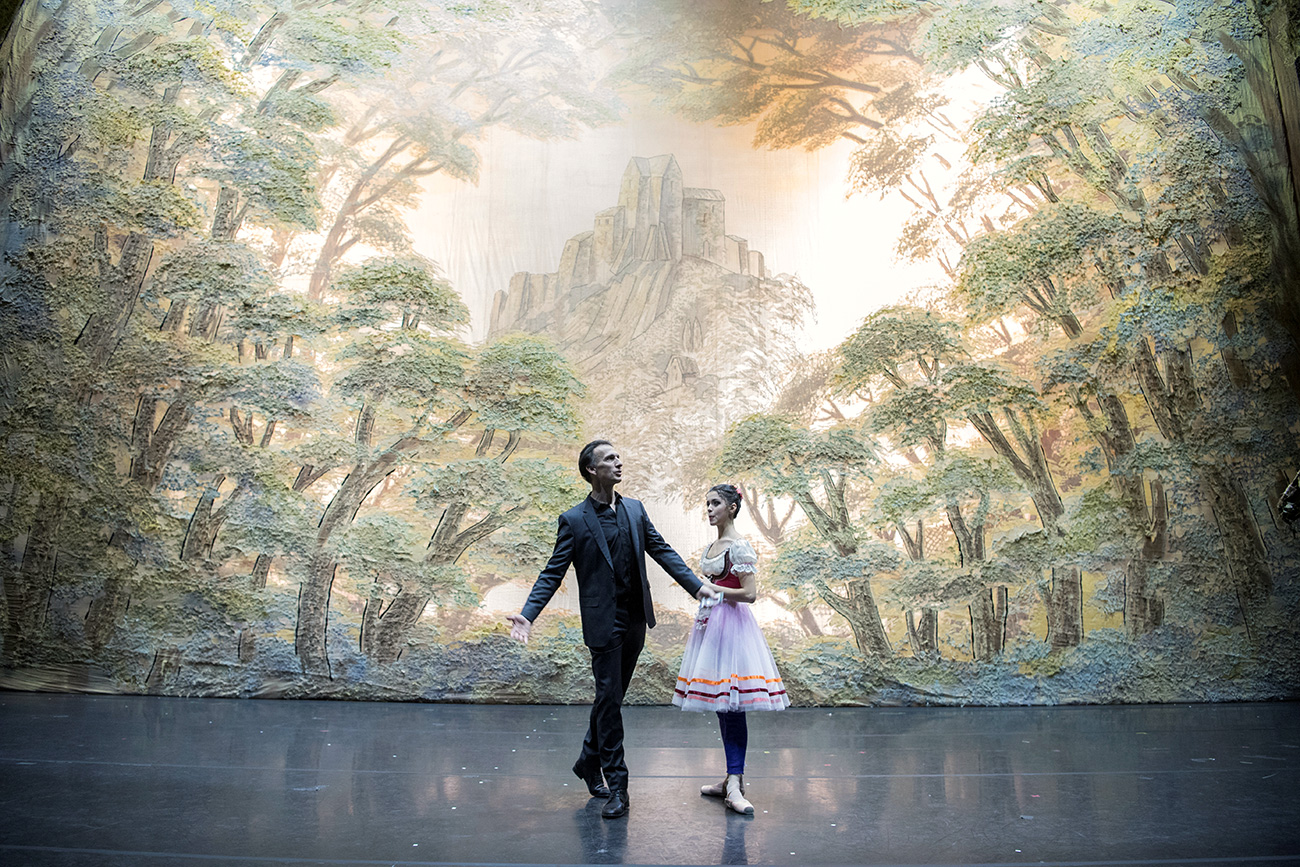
<point x="743" y="557"/>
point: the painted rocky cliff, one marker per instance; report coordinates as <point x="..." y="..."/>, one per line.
<point x="676" y="326"/>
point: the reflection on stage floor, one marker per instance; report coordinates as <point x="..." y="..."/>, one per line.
<point x="140" y="781"/>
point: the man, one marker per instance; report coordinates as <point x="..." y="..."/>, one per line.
<point x="605" y="538"/>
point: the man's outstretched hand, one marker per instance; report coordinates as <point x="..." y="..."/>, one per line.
<point x="520" y="627"/>
<point x="709" y="590"/>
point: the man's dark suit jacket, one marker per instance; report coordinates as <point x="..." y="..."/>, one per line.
<point x="581" y="542"/>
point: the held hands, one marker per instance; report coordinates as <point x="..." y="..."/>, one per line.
<point x="709" y="596"/>
<point x="520" y="627"/>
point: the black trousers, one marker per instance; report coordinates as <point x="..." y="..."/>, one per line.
<point x="612" y="667"/>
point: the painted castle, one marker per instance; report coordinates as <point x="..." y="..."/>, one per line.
<point x="630" y="255"/>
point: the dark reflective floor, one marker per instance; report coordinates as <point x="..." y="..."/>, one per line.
<point x="128" y="781"/>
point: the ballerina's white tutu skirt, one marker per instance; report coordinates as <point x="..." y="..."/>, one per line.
<point x="728" y="666"/>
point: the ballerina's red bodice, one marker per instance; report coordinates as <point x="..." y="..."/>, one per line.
<point x="728" y="580"/>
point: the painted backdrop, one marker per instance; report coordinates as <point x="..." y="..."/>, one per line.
<point x="990" y="308"/>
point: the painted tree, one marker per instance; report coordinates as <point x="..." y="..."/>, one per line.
<point x="97" y="237"/>
<point x="936" y="574"/>
<point x="529" y="71"/>
<point x="922" y="382"/>
<point x="901" y="358"/>
<point x="263" y="390"/>
<point x="162" y="150"/>
<point x="170" y="131"/>
<point x="947" y="222"/>
<point x="800" y="81"/>
<point x="1114" y="181"/>
<point x="1046" y="264"/>
<point x="413" y="391"/>
<point x="1159" y="210"/>
<point x="253" y="168"/>
<point x="517" y="386"/>
<point x="988" y="495"/>
<point x="820" y="472"/>
<point x="896" y="504"/>
<point x="263" y="167"/>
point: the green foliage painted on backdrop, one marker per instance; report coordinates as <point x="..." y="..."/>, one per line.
<point x="248" y="450"/>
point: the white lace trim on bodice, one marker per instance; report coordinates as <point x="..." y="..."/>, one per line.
<point x="743" y="559"/>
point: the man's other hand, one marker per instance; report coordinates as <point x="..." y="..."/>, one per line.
<point x="520" y="627"/>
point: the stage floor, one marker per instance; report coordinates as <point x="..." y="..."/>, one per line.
<point x="135" y="781"/>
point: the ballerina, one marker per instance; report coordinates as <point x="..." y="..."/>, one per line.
<point x="727" y="666"/>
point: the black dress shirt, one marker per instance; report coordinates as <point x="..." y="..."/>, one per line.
<point x="618" y="536"/>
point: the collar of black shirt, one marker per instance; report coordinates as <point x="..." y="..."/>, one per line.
<point x="600" y="507"/>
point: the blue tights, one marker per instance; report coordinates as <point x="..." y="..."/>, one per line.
<point x="735" y="738"/>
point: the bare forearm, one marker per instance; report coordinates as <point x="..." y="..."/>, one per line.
<point x="746" y="592"/>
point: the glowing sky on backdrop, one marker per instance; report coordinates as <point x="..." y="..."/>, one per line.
<point x="791" y="205"/>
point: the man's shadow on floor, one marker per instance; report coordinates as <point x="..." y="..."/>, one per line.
<point x="604" y="841"/>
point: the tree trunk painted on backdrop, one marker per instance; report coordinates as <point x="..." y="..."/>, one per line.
<point x="314" y="593"/>
<point x="858" y="603"/>
<point x="1143" y="607"/>
<point x="988" y="610"/>
<point x="384" y="630"/>
<point x="1065" y="608"/>
<point x="1272" y="95"/>
<point x="858" y="607"/>
<point x="1064" y="598"/>
<point x="923" y="637"/>
<point x="1244" y="550"/>
<point x="122" y="284"/>
<point x="261" y="569"/>
<point x="1171" y="394"/>
<point x="988" y="614"/>
<point x="205" y="524"/>
<point x="152" y="444"/>
<point x="107" y="610"/>
<point x="28" y="588"/>
<point x="152" y="447"/>
<point x="313" y="614"/>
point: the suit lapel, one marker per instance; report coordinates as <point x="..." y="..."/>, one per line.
<point x="634" y="528"/>
<point x="593" y="526"/>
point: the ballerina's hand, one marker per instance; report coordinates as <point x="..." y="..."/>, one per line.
<point x="520" y="627"/>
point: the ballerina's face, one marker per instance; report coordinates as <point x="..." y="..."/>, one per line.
<point x="716" y="507"/>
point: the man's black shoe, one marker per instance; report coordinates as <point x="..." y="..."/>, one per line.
<point x="595" y="782"/>
<point x="616" y="805"/>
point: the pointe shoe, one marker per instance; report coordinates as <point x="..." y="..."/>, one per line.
<point x="715" y="790"/>
<point x="736" y="795"/>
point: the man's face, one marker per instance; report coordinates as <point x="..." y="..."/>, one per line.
<point x="606" y="467"/>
